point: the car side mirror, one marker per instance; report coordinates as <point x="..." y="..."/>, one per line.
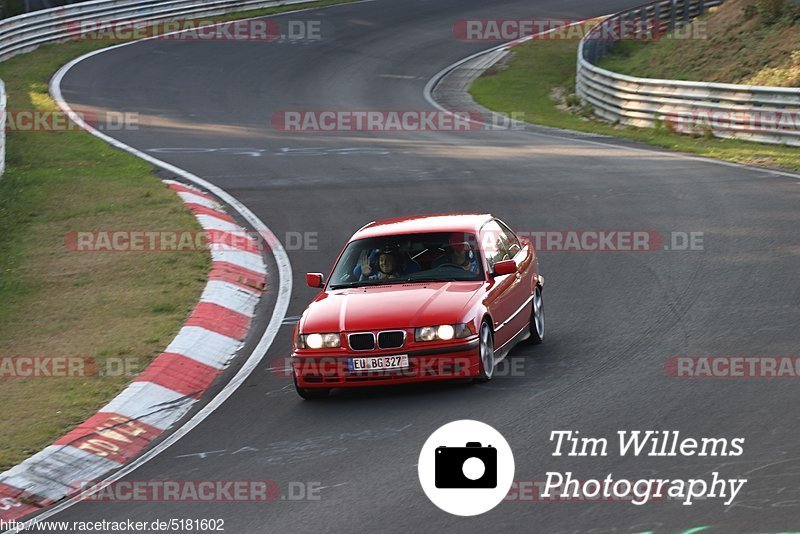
<point x="315" y="280"/>
<point x="505" y="267"/>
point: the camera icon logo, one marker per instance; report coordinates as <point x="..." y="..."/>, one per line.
<point x="466" y="467"/>
<point x="472" y="466"/>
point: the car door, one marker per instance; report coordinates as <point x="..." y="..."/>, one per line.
<point x="522" y="290"/>
<point x="502" y="298"/>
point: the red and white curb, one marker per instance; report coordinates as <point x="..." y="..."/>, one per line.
<point x="164" y="392"/>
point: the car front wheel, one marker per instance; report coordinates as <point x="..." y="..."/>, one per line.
<point x="537" y="317"/>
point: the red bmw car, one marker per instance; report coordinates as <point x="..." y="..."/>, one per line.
<point x="417" y="299"/>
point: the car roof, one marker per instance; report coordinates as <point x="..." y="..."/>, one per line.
<point x="417" y="224"/>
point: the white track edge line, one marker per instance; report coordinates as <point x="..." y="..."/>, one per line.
<point x="278" y="313"/>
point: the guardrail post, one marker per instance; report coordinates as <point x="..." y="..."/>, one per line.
<point x="2" y="128"/>
<point x="644" y="24"/>
<point x="673" y="12"/>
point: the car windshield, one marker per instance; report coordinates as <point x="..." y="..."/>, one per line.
<point x="434" y="257"/>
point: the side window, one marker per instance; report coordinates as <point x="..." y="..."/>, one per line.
<point x="513" y="245"/>
<point x="494" y="242"/>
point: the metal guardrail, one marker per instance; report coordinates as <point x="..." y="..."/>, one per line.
<point x="749" y="112"/>
<point x="24" y="33"/>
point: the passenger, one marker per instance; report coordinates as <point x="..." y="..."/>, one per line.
<point x="388" y="265"/>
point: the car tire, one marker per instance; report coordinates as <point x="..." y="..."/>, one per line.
<point x="311" y="393"/>
<point x="486" y="353"/>
<point x="537" y="317"/>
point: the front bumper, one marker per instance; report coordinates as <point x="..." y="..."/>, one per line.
<point x="457" y="361"/>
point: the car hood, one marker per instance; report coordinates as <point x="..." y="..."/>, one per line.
<point x="393" y="306"/>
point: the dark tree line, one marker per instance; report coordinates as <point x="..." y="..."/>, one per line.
<point x="9" y="8"/>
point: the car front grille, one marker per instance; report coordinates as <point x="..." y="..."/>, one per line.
<point x="388" y="339"/>
<point x="391" y="340"/>
<point x="361" y="341"/>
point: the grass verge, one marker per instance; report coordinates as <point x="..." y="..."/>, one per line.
<point x="538" y="80"/>
<point x="61" y="303"/>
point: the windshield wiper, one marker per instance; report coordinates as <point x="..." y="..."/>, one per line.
<point x="362" y="283"/>
<point x="426" y="279"/>
<point x="395" y="281"/>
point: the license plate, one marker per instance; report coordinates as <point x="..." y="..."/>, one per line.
<point x="379" y="363"/>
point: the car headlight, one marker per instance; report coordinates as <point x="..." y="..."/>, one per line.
<point x="442" y="332"/>
<point x="318" y="341"/>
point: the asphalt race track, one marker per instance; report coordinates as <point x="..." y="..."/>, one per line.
<point x="613" y="318"/>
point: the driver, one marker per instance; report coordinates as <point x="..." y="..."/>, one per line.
<point x="387" y="266"/>
<point x="461" y="254"/>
